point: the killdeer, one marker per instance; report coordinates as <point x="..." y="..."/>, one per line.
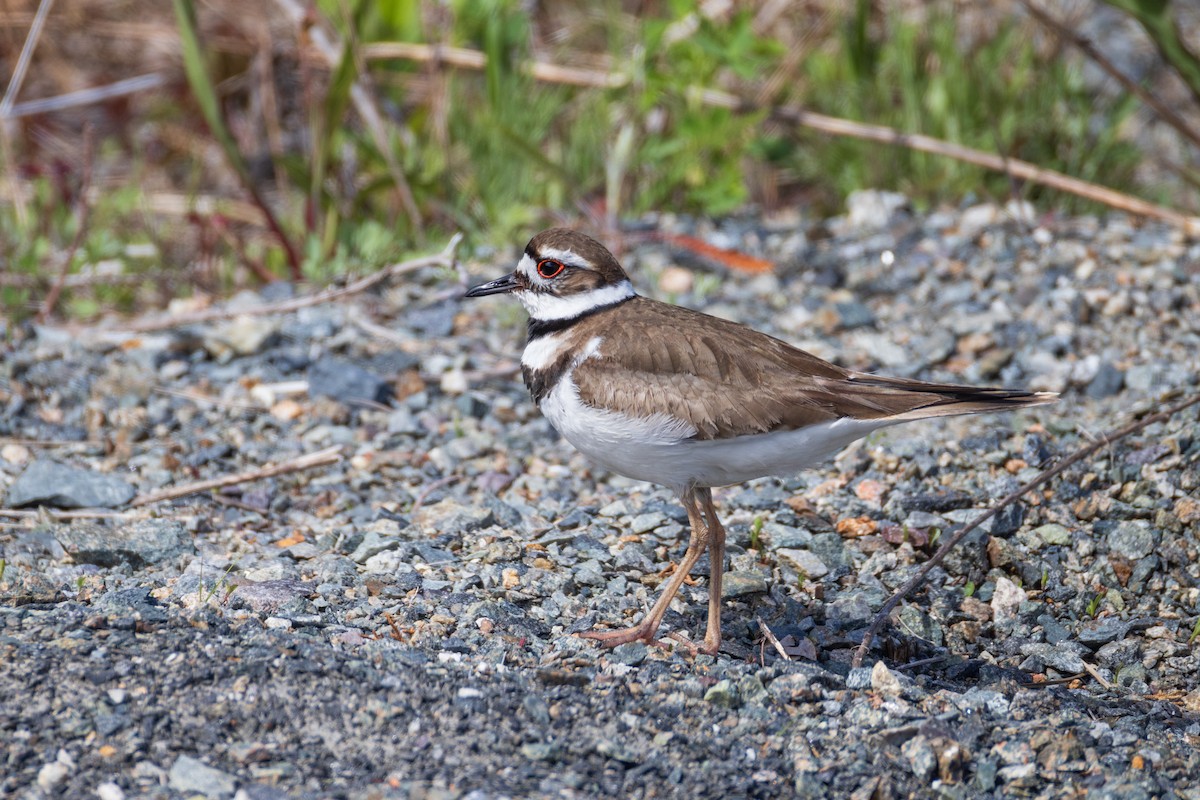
<point x="665" y="394"/>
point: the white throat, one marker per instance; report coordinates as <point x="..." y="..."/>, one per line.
<point x="546" y="307"/>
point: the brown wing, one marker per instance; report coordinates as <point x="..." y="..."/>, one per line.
<point x="731" y="380"/>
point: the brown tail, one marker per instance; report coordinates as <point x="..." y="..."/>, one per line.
<point x="911" y="399"/>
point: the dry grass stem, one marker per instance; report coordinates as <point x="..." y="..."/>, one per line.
<point x="473" y="59"/>
<point x="445" y="258"/>
<point x="321" y="458"/>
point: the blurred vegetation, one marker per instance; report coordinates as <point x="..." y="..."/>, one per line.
<point x="258" y="157"/>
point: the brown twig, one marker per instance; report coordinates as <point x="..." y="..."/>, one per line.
<point x="26" y="513"/>
<point x="444" y="258"/>
<point x="4" y="441"/>
<point x="550" y="73"/>
<point x="329" y="455"/>
<point x="207" y="400"/>
<point x="86" y="97"/>
<point x="1012" y="166"/>
<point x="430" y="489"/>
<point x="78" y="280"/>
<point x="1095" y="673"/>
<point x="83" y="216"/>
<point x="18" y="73"/>
<point x="1090" y="50"/>
<point x="774" y="640"/>
<point x="1046" y="476"/>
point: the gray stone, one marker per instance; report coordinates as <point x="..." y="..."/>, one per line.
<point x="1054" y="632"/>
<point x="1133" y="539"/>
<point x="724" y="693"/>
<point x="915" y="622"/>
<point x="1006" y="601"/>
<point x="1102" y="631"/>
<point x="373" y="543"/>
<point x="784" y="536"/>
<point x="192" y="775"/>
<point x="1142" y="378"/>
<point x="630" y="653"/>
<point x="740" y="582"/>
<point x="644" y="523"/>
<point x="854" y="315"/>
<point x="138" y="544"/>
<point x="541" y="751"/>
<point x="49" y="483"/>
<point x="922" y="760"/>
<point x="752" y="690"/>
<point x="1053" y="534"/>
<point x="830" y="548"/>
<point x="402" y="420"/>
<point x="859" y="678"/>
<point x="345" y="382"/>
<point x="1108" y="381"/>
<point x="51" y="775"/>
<point x="269" y="596"/>
<point x="242" y="336"/>
<point x="1063" y="657"/>
<point x="1119" y="654"/>
<point x="803" y="561"/>
<point x="136" y="601"/>
<point x="849" y="608"/>
<point x="871" y="208"/>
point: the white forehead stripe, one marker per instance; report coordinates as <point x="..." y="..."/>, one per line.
<point x="544" y="307"/>
<point x="527" y="267"/>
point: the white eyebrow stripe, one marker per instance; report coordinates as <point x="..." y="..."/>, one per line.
<point x="545" y="307"/>
<point x="568" y="257"/>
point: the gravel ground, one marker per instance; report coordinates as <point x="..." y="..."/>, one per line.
<point x="399" y="623"/>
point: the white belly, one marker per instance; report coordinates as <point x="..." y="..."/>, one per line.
<point x="660" y="449"/>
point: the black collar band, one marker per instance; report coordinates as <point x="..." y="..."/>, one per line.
<point x="539" y="328"/>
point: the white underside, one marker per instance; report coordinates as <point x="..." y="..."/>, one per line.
<point x="660" y="449"/>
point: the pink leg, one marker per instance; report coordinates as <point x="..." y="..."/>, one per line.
<point x="716" y="559"/>
<point x="699" y="540"/>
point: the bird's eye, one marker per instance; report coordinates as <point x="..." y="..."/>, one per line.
<point x="548" y="268"/>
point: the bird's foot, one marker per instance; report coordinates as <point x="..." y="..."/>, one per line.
<point x="707" y="648"/>
<point x="641" y="632"/>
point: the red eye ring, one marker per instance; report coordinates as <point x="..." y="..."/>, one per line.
<point x="549" y="268"/>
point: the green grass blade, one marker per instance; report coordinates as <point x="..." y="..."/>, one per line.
<point x="196" y="66"/>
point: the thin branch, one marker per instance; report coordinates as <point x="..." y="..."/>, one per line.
<point x="1012" y="166"/>
<point x="31" y="40"/>
<point x="1095" y="673"/>
<point x="26" y="513"/>
<point x="1090" y="50"/>
<point x="85" y="97"/>
<point x="445" y="258"/>
<point x="206" y="400"/>
<point x="329" y="455"/>
<point x="1046" y="476"/>
<point x="83" y="217"/>
<point x="78" y="280"/>
<point x="439" y="54"/>
<point x="550" y="73"/>
<point x="774" y="640"/>
<point x="5" y="441"/>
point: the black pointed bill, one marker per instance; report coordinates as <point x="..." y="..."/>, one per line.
<point x="499" y="286"/>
